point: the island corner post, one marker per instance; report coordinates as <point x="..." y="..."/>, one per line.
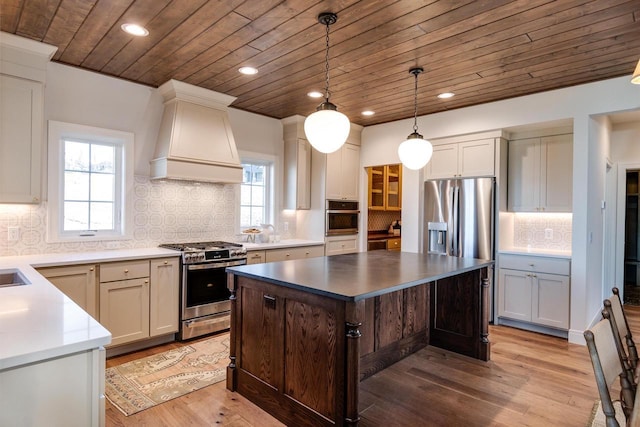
<point x="300" y="354"/>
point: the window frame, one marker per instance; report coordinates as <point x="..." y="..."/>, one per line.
<point x="123" y="141"/>
<point x="270" y="163"/>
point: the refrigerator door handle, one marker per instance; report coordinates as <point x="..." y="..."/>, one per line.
<point x="455" y="229"/>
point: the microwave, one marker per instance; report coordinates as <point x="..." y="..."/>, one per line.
<point x="342" y="217"/>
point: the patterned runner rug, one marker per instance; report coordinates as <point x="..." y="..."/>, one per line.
<point x="143" y="383"/>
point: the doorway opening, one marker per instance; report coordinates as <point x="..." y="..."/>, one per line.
<point x="632" y="240"/>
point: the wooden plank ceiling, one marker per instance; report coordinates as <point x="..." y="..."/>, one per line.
<point x="482" y="50"/>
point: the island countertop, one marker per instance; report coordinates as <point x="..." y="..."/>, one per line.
<point x="362" y="275"/>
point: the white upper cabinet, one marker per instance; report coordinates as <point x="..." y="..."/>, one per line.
<point x="23" y="65"/>
<point x="342" y="173"/>
<point x="343" y="168"/>
<point x="297" y="164"/>
<point x="541" y="174"/>
<point x="462" y="159"/>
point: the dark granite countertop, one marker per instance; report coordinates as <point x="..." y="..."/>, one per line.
<point x="362" y="275"/>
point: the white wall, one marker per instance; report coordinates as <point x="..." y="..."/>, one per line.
<point x="379" y="146"/>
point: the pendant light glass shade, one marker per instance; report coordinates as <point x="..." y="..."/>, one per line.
<point x="327" y="129"/>
<point x="415" y="152"/>
<point x="636" y="75"/>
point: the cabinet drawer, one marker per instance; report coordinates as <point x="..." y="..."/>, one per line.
<point x="294" y="253"/>
<point x="255" y="257"/>
<point x="124" y="270"/>
<point x="535" y="263"/>
<point x="394" y="244"/>
<point x="341" y="246"/>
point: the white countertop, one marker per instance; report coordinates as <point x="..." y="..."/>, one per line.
<point x="289" y="243"/>
<point x="38" y="322"/>
<point x="536" y="252"/>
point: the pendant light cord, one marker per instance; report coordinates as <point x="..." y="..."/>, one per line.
<point x="415" y="104"/>
<point x="326" y="62"/>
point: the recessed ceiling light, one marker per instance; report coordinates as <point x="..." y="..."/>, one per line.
<point x="368" y="113"/>
<point x="315" y="94"/>
<point x="248" y="70"/>
<point x="446" y="95"/>
<point x="135" y="30"/>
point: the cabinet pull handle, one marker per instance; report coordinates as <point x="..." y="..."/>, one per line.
<point x="269" y="301"/>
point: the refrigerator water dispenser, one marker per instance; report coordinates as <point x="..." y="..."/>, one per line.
<point x="437" y="237"/>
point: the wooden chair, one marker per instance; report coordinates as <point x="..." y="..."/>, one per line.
<point x="606" y="367"/>
<point x="622" y="335"/>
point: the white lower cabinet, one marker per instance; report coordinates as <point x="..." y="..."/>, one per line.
<point x="341" y="245"/>
<point x="62" y="391"/>
<point x="139" y="298"/>
<point x="78" y="282"/>
<point x="164" y="296"/>
<point x="124" y="309"/>
<point x="534" y="289"/>
<point x="284" y="254"/>
<point x="299" y="252"/>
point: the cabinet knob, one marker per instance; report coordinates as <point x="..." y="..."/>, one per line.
<point x="146" y="281"/>
<point x="287" y="255"/>
<point x="126" y="270"/>
<point x="166" y="262"/>
<point x="91" y="269"/>
<point x="530" y="265"/>
<point x="306" y="253"/>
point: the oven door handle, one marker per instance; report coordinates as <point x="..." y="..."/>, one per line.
<point x="333" y="211"/>
<point x="215" y="265"/>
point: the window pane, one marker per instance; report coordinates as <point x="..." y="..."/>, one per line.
<point x="245" y="216"/>
<point x="258" y="174"/>
<point x="245" y="194"/>
<point x="76" y="215"/>
<point x="246" y="173"/>
<point x="102" y="158"/>
<point x="257" y="215"/>
<point x="102" y="187"/>
<point x="257" y="196"/>
<point x="76" y="186"/>
<point x="76" y="156"/>
<point x="101" y="216"/>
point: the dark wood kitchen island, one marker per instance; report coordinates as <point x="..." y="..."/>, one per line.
<point x="304" y="333"/>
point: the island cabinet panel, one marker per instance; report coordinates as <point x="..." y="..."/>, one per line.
<point x="288" y="357"/>
<point x="457" y="314"/>
<point x="261" y="332"/>
<point x="310" y="338"/>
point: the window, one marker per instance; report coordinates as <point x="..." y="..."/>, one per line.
<point x="256" y="193"/>
<point x="90" y="170"/>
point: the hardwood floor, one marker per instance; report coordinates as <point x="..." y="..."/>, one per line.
<point x="531" y="380"/>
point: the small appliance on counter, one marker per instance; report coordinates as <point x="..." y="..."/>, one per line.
<point x="395" y="227"/>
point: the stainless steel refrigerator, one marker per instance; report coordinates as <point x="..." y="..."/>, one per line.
<point x="459" y="217"/>
<point x="459" y="220"/>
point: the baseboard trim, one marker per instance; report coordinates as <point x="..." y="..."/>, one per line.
<point x="533" y="328"/>
<point x="140" y="345"/>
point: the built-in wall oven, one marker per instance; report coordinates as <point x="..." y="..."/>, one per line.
<point x="204" y="298"/>
<point x="342" y="217"/>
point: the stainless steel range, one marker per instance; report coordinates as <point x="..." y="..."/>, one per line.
<point x="204" y="298"/>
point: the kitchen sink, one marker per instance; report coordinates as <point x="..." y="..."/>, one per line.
<point x="12" y="277"/>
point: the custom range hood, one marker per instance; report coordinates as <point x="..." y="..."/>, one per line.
<point x="195" y="141"/>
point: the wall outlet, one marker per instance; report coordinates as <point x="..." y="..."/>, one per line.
<point x="548" y="233"/>
<point x="285" y="225"/>
<point x="13" y="233"/>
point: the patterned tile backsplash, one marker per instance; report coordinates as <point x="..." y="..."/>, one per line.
<point x="163" y="212"/>
<point x="381" y="220"/>
<point x="532" y="230"/>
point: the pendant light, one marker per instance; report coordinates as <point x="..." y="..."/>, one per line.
<point x="416" y="151"/>
<point x="327" y="129"/>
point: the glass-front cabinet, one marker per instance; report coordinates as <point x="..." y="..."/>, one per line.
<point x="385" y="187"/>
